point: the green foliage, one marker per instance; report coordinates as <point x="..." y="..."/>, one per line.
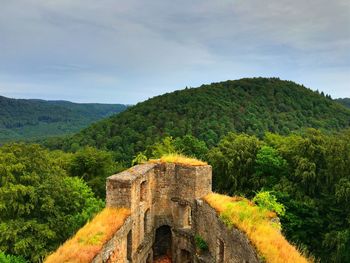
<point x="94" y="166"/>
<point x="37" y="119"/>
<point x="187" y="145"/>
<point x="208" y="113"/>
<point x="164" y="147"/>
<point x="309" y="173"/>
<point x="268" y="201"/>
<point x="269" y="166"/>
<point x="191" y="146"/>
<point x="342" y="191"/>
<point x="225" y="217"/>
<point x="233" y="162"/>
<point x="200" y="243"/>
<point x="339" y="242"/>
<point x="139" y="158"/>
<point x="40" y="206"/>
<point x="269" y="162"/>
<point x="11" y="259"/>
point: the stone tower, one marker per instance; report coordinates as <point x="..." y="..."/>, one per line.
<point x="167" y="212"/>
<point x="162" y="199"/>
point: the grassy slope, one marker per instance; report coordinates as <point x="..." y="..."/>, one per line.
<point x="90" y="239"/>
<point x="32" y="119"/>
<point x="209" y="112"/>
<point x="256" y="224"/>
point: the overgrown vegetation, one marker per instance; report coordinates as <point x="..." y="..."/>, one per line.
<point x="310" y="175"/>
<point x="200" y="243"/>
<point x="89" y="240"/>
<point x="255" y="222"/>
<point x="180" y="159"/>
<point x="265" y="200"/>
<point x="11" y="259"/>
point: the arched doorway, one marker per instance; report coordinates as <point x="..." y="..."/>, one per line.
<point x="163" y="242"/>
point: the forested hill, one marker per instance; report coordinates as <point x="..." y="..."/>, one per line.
<point x="252" y="106"/>
<point x="22" y="119"/>
<point x="345" y="102"/>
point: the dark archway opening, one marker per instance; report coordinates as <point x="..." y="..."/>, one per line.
<point x="163" y="242"/>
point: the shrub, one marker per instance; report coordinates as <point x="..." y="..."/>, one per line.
<point x="266" y="200"/>
<point x="11" y="259"/>
<point x="200" y="243"/>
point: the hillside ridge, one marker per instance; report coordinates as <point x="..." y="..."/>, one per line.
<point x="209" y="112"/>
<point x="23" y="119"/>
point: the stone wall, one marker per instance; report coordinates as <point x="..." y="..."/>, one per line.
<point x="165" y="201"/>
<point x="116" y="248"/>
<point x="225" y="245"/>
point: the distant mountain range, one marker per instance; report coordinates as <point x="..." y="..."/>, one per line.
<point x="345" y="102"/>
<point x="27" y="119"/>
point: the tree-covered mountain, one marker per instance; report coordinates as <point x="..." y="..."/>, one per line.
<point x="22" y="119"/>
<point x="209" y="112"/>
<point x="228" y="124"/>
<point x="345" y="102"/>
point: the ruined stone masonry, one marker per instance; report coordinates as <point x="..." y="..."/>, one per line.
<point x="167" y="213"/>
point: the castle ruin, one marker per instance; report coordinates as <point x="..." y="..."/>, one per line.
<point x="167" y="214"/>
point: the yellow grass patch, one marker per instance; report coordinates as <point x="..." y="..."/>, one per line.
<point x="255" y="222"/>
<point x="89" y="240"/>
<point x="179" y="159"/>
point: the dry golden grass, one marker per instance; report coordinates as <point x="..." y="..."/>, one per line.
<point x="89" y="240"/>
<point x="255" y="222"/>
<point x="179" y="159"/>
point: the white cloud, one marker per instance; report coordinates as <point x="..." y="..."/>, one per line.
<point x="161" y="45"/>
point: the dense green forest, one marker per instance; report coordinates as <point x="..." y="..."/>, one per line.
<point x="45" y="196"/>
<point x="252" y="106"/>
<point x="258" y="134"/>
<point x="34" y="119"/>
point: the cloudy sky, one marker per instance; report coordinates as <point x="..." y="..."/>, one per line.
<point x="127" y="51"/>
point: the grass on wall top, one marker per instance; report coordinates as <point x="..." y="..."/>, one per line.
<point x="256" y="223"/>
<point x="89" y="240"/>
<point x="179" y="159"/>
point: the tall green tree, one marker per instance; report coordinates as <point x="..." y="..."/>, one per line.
<point x="233" y="162"/>
<point x="191" y="146"/>
<point x="93" y="166"/>
<point x="40" y="206"/>
<point x="269" y="167"/>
